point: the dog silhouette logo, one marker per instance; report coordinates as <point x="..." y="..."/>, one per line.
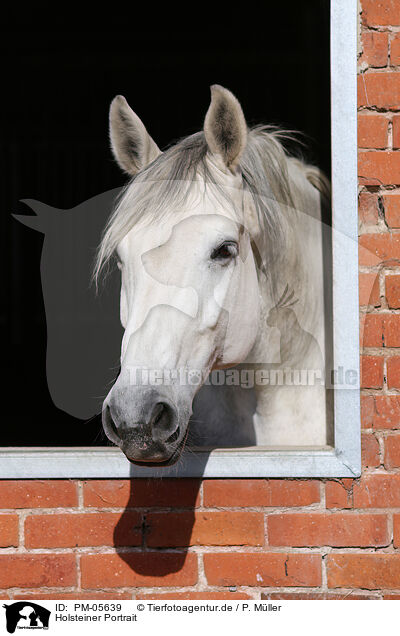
<point x="26" y="615"/>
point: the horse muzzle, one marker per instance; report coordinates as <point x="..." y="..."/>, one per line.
<point x="145" y="424"/>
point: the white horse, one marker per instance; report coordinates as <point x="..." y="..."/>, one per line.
<point x="220" y="245"/>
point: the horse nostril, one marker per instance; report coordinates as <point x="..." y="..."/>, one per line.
<point x="163" y="422"/>
<point x="161" y="415"/>
<point x="173" y="438"/>
<point x="159" y="412"/>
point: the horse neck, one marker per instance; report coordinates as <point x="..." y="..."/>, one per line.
<point x="301" y="269"/>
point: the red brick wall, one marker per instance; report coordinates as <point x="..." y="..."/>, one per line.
<point x="251" y="538"/>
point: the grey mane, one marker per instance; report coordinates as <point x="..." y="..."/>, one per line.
<point x="165" y="184"/>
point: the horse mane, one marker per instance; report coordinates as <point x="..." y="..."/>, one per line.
<point x="165" y="184"/>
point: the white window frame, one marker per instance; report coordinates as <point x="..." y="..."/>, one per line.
<point x="342" y="460"/>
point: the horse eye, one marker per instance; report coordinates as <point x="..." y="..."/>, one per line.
<point x="225" y="251"/>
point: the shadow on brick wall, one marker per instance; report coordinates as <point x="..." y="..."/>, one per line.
<point x="156" y="530"/>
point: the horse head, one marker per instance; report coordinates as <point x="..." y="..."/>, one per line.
<point x="181" y="235"/>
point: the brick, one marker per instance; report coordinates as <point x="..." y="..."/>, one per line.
<point x="371" y="330"/>
<point x="74" y="595"/>
<point x="396" y="132"/>
<point x="194" y="595"/>
<point x="379" y="89"/>
<point x="391" y="205"/>
<point x="391" y="330"/>
<point x="330" y="529"/>
<point x="393" y="373"/>
<point x="372" y="133"/>
<point x="316" y="596"/>
<point x="392" y="290"/>
<point x="391" y="597"/>
<point x="395" y="50"/>
<point x="138" y="569"/>
<point x="176" y="493"/>
<point x="379" y="248"/>
<point x="396" y="531"/>
<point x="37" y="494"/>
<point x="369" y="290"/>
<point x="379" y="167"/>
<point x="263" y="569"/>
<point x="205" y="528"/>
<point x="392" y="452"/>
<point x="371" y="372"/>
<point x="111" y="493"/>
<point x="71" y="530"/>
<point x="339" y="494"/>
<point x="377" y="491"/>
<point x="368" y="208"/>
<point x="381" y="12"/>
<point x="380" y="330"/>
<point x="260" y="492"/>
<point x="369" y="571"/>
<point x="367" y="411"/>
<point x="37" y="570"/>
<point x="8" y="530"/>
<point x="370" y="450"/>
<point x="375" y="48"/>
<point x="387" y="412"/>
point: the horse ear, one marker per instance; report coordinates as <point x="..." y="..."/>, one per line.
<point x="132" y="146"/>
<point x="225" y="127"/>
<point x="45" y="216"/>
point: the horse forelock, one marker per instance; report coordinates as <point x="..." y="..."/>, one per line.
<point x="165" y="185"/>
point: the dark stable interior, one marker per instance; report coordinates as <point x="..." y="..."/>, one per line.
<point x="60" y="72"/>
